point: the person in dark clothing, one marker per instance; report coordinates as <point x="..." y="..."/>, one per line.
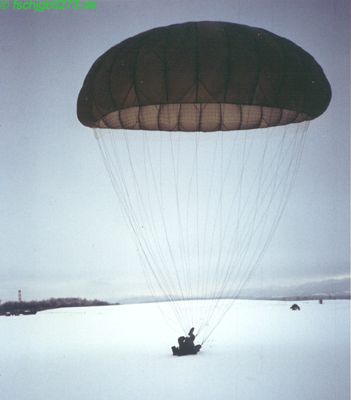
<point x="186" y="345"/>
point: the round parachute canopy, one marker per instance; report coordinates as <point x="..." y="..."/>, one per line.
<point x="203" y="76"/>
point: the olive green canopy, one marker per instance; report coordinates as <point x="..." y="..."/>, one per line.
<point x="203" y="76"/>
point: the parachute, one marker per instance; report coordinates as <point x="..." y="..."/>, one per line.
<point x="201" y="126"/>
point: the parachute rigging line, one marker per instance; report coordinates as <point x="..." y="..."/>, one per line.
<point x="218" y="262"/>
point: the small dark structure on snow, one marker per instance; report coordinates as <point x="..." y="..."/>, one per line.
<point x="295" y="307"/>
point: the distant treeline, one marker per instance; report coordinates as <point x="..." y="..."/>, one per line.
<point x="32" y="307"/>
<point x="339" y="296"/>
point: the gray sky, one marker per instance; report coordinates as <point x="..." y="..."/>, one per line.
<point x="62" y="231"/>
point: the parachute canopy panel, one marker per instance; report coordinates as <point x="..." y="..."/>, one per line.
<point x="203" y="76"/>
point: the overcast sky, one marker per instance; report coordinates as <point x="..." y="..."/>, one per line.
<point x="62" y="231"/>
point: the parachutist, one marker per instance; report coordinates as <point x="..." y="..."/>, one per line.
<point x="186" y="345"/>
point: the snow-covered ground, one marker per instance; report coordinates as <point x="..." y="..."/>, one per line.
<point x="262" y="350"/>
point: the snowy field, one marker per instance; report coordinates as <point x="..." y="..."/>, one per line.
<point x="262" y="350"/>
